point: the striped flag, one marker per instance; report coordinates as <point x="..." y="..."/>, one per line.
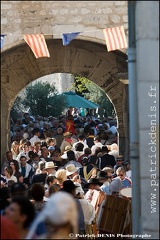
<point x="115" y="38"/>
<point x="68" y="37"/>
<point x="38" y="45"/>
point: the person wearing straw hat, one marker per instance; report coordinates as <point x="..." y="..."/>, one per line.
<point x="72" y="171"/>
<point x="67" y="148"/>
<point x="68" y="141"/>
<point x="93" y="183"/>
<point x="50" y="168"/>
<point x="71" y="159"/>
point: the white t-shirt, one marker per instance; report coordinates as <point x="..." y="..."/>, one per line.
<point x="128" y="174"/>
<point x="11" y="178"/>
<point x="94" y="147"/>
<point x="88" y="210"/>
<point x="34" y="139"/>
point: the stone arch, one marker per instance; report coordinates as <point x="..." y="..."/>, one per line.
<point x="84" y="57"/>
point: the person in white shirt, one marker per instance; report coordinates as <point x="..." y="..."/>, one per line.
<point x="87" y="207"/>
<point x="35" y="138"/>
<point x="26" y="170"/>
<point x="50" y="168"/>
<point x="24" y="152"/>
<point x="8" y="174"/>
<point x="97" y="143"/>
<point x="81" y="139"/>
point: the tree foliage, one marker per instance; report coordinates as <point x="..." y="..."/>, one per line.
<point x="92" y="92"/>
<point x="42" y="99"/>
<point x="17" y="108"/>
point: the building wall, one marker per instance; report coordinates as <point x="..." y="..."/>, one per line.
<point x="57" y="17"/>
<point x="147" y="52"/>
<point x="61" y="81"/>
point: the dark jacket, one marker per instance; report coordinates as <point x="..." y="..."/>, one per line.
<point x="106" y="160"/>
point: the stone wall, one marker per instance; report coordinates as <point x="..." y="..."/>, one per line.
<point x="57" y="17"/>
<point x="147" y="52"/>
<point x="61" y="81"/>
<point x="86" y="55"/>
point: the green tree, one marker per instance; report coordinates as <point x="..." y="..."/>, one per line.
<point x="94" y="93"/>
<point x="17" y="108"/>
<point x="43" y="99"/>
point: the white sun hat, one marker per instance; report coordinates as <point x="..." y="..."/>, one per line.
<point x="70" y="169"/>
<point x="50" y="165"/>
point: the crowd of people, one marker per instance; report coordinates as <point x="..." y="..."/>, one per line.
<point x="52" y="172"/>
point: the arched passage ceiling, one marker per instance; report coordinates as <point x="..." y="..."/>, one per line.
<point x="88" y="59"/>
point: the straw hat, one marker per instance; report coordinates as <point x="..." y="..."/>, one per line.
<point x="50" y="165"/>
<point x="70" y="169"/>
<point x="107" y="169"/>
<point x="67" y="148"/>
<point x="66" y="134"/>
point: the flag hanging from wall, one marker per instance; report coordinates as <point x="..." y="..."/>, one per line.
<point x="2" y="39"/>
<point x="68" y="37"/>
<point x="38" y="45"/>
<point x="115" y="38"/>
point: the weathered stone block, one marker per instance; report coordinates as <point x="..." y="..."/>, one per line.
<point x="85" y="11"/>
<point x="3" y="21"/>
<point x="6" y="6"/>
<point x="106" y="10"/>
<point x="115" y="18"/>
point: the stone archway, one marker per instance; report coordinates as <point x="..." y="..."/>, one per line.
<point x="86" y="58"/>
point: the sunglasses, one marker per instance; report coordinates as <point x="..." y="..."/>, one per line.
<point x="121" y="175"/>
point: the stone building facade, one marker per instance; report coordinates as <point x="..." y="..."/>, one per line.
<point x="86" y="55"/>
